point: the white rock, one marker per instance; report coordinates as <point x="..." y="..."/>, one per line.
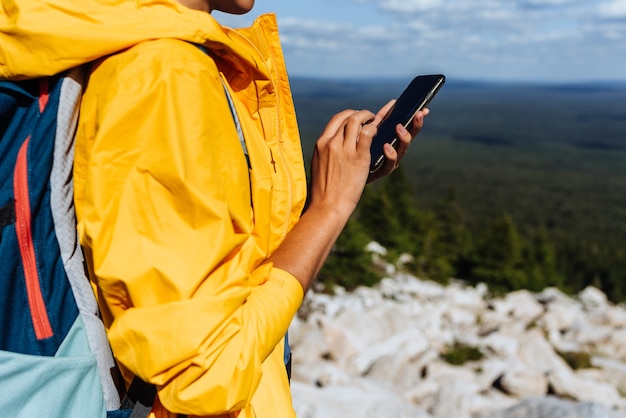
<point x="341" y="342"/>
<point x="444" y="373"/>
<point x="491" y="400"/>
<point x="465" y="297"/>
<point x="454" y="399"/>
<point x="360" y="399"/>
<point x="409" y="285"/>
<point x="593" y="298"/>
<point x="404" y="259"/>
<point x="375" y="248"/>
<point x="616" y="316"/>
<point x="550" y="407"/>
<point x="320" y="373"/>
<point x="551" y="295"/>
<point x="520" y="306"/>
<point x="612" y="372"/>
<point x="561" y="316"/>
<point x="502" y="346"/>
<point x="537" y="355"/>
<point x="407" y="345"/>
<point x="523" y="383"/>
<point x="567" y="384"/>
<point x="616" y="346"/>
<point x="459" y="317"/>
<point x="402" y="374"/>
<point x="307" y="340"/>
<point x="489" y="371"/>
<point x="424" y="394"/>
<point x="432" y="325"/>
<point x="588" y="335"/>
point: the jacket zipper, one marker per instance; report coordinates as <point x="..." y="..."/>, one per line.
<point x="38" y="312"/>
<point x="276" y="86"/>
<point x="279" y="145"/>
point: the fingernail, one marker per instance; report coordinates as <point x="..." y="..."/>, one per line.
<point x="403" y="130"/>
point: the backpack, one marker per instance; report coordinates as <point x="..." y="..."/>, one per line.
<point x="55" y="359"/>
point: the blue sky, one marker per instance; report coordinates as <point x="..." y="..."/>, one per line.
<point x="504" y="40"/>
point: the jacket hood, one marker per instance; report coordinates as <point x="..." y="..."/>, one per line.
<point x="45" y="37"/>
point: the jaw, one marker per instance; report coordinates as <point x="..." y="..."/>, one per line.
<point x="236" y="7"/>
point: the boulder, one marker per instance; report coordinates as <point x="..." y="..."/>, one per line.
<point x="568" y="385"/>
<point x="519" y="306"/>
<point x="550" y="407"/>
<point x="522" y="383"/>
<point x="358" y="399"/>
<point x="405" y="346"/>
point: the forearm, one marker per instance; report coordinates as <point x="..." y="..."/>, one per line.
<point x="308" y="244"/>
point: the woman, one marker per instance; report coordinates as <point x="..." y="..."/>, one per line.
<point x="195" y="240"/>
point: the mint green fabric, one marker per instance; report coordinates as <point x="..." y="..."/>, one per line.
<point x="65" y="386"/>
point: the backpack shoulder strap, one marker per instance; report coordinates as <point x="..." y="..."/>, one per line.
<point x="233" y="111"/>
<point x="64" y="217"/>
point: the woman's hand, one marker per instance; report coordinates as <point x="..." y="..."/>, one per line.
<point x="340" y="170"/>
<point x="341" y="159"/>
<point x="405" y="137"/>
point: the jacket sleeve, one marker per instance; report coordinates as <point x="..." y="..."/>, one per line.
<point x="166" y="219"/>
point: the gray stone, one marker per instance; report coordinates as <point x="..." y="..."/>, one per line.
<point x="550" y="407"/>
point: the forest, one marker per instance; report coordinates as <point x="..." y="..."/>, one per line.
<point x="515" y="185"/>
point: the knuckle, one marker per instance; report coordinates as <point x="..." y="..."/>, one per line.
<point x="354" y="118"/>
<point x="369" y="130"/>
<point x="333" y="145"/>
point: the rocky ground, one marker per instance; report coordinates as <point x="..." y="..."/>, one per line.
<point x="412" y="348"/>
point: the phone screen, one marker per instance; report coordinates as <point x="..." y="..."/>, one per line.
<point x="416" y="96"/>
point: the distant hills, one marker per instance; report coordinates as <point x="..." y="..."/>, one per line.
<point x="550" y="156"/>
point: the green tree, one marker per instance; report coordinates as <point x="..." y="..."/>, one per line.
<point x="498" y="258"/>
<point x="348" y="265"/>
<point x="376" y="216"/>
<point x="408" y="222"/>
<point x="446" y="241"/>
<point x="540" y="264"/>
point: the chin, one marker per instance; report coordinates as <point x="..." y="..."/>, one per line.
<point x="236" y="7"/>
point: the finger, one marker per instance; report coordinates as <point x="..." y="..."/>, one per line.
<point x="418" y="121"/>
<point x="383" y="111"/>
<point x="355" y="124"/>
<point x="366" y="136"/>
<point x="404" y="140"/>
<point x="392" y="158"/>
<point x="336" y="123"/>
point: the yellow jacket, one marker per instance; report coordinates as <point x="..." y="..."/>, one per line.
<point x="175" y="228"/>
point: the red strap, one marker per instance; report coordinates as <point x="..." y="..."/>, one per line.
<point x="43" y="93"/>
<point x="39" y="314"/>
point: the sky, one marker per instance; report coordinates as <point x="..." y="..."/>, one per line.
<point x="492" y="40"/>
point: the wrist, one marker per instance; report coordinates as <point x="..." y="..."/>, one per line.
<point x="331" y="212"/>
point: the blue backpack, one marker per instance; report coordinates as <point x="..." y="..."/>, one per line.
<point x="55" y="359"/>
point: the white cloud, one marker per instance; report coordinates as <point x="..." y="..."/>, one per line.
<point x="539" y="3"/>
<point x="410" y="6"/>
<point x="305" y="31"/>
<point x="562" y="39"/>
<point x="613" y="10"/>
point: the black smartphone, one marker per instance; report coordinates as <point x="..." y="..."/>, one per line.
<point x="414" y="98"/>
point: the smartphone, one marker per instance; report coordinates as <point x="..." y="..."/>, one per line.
<point x="414" y="98"/>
